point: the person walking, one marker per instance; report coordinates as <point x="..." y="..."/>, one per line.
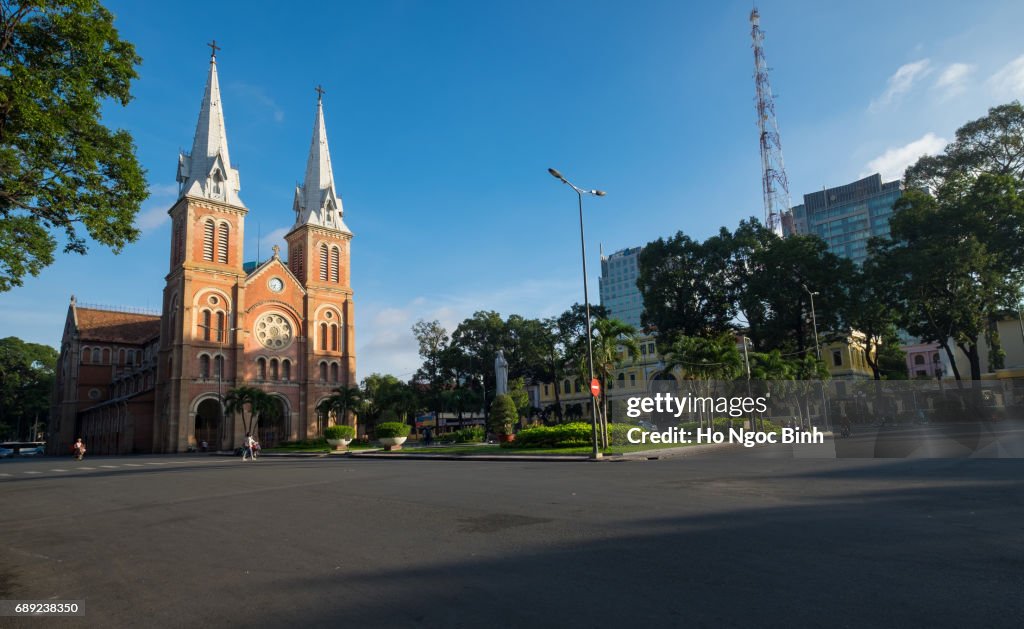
<point x="247" y="449"/>
<point x="79" y="449"/>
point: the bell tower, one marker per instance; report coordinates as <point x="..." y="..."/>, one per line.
<point x="318" y="256"/>
<point x="205" y="271"/>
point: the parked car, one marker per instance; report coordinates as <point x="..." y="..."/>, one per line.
<point x="30" y="451"/>
<point x="6" y="453"/>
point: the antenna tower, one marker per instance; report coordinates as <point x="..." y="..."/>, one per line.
<point x="774" y="183"/>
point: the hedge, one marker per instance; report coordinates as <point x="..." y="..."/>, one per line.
<point x="562" y="435"/>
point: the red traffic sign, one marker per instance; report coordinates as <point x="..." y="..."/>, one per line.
<point x="595" y="387"/>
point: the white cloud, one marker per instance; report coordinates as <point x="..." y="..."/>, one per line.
<point x="151" y="218"/>
<point x="953" y="80"/>
<point x="901" y="82"/>
<point x="1008" y="82"/>
<point x="257" y="94"/>
<point x="894" y="161"/>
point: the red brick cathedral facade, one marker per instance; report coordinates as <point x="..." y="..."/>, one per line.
<point x="146" y="383"/>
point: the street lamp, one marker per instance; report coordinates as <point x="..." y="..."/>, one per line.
<point x="814" y="320"/>
<point x="596" y="454"/>
<point x="746" y="359"/>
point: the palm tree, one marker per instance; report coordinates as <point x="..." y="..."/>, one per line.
<point x="341" y="400"/>
<point x="614" y="342"/>
<point x="258" y="401"/>
<point x="705" y="359"/>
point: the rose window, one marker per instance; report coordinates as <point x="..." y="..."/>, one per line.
<point x="274" y="331"/>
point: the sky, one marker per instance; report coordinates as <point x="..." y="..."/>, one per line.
<point x="443" y="117"/>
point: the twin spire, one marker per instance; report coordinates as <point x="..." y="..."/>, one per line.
<point x="207" y="173"/>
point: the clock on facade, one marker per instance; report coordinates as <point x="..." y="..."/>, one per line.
<point x="276" y="284"/>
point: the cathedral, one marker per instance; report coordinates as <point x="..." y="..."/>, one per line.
<point x="133" y="382"/>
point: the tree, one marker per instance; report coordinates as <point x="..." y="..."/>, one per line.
<point x="872" y="309"/>
<point x="341" y="400"/>
<point x="433" y="342"/>
<point x="256" y="400"/>
<point x="614" y="342"/>
<point x="517" y="392"/>
<point x="705" y="359"/>
<point x="60" y="168"/>
<point x="503" y="416"/>
<point x="27" y="372"/>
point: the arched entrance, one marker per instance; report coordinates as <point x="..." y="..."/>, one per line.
<point x="273" y="428"/>
<point x="207" y="426"/>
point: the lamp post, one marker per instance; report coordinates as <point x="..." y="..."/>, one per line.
<point x="595" y="454"/>
<point x="814" y="320"/>
<point x="746" y="360"/>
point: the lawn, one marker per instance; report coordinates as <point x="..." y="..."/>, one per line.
<point x="492" y="449"/>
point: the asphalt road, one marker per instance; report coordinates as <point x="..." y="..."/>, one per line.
<point x="738" y="539"/>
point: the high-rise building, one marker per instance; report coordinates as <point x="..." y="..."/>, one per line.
<point x="845" y="217"/>
<point x="619" y="294"/>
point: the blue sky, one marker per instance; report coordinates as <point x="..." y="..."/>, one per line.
<point x="443" y="117"/>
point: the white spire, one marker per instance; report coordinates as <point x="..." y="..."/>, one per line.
<point x="317" y="201"/>
<point x="206" y="172"/>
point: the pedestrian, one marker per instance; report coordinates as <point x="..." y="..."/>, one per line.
<point x="247" y="449"/>
<point x="79" y="449"/>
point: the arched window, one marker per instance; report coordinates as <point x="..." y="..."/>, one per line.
<point x="86" y="356"/>
<point x="106" y="356"/>
<point x="96" y="355"/>
<point x="261" y="369"/>
<point x="334" y="264"/>
<point x="208" y="229"/>
<point x="218" y="367"/>
<point x="334" y="337"/>
<point x="323" y="372"/>
<point x="565" y="387"/>
<point x="204" y="325"/>
<point x="286" y="369"/>
<point x="919" y="359"/>
<point x="323" y="336"/>
<point x="173" y="331"/>
<point x="218" y="183"/>
<point x="222" y="243"/>
<point x="334" y="372"/>
<point x="323" y="263"/>
<point x="220" y="327"/>
<point x="273" y="369"/>
<point x="204" y="366"/>
<point x="121" y="356"/>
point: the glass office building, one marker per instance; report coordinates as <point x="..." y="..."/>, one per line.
<point x="845" y="217"/>
<point x="619" y="293"/>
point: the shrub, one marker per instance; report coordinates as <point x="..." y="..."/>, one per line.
<point x="723" y="424"/>
<point x="339" y="432"/>
<point x="503" y="416"/>
<point x="392" y="429"/>
<point x="618" y="433"/>
<point x="473" y="434"/>
<point x="562" y="435"/>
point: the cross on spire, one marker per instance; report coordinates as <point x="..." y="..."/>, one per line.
<point x="320" y="94"/>
<point x="213" y="49"/>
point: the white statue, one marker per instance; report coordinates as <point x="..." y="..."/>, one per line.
<point x="501" y="373"/>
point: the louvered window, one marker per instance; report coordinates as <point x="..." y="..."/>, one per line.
<point x="297" y="263"/>
<point x="323" y="336"/>
<point x="220" y="327"/>
<point x="222" y="244"/>
<point x="323" y="263"/>
<point x="334" y="337"/>
<point x="204" y="325"/>
<point x="204" y="366"/>
<point x="334" y="264"/>
<point x="208" y="229"/>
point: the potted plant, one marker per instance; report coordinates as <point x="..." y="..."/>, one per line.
<point x="392" y="435"/>
<point x="339" y="436"/>
<point x="503" y="419"/>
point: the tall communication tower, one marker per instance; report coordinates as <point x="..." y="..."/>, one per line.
<point x="774" y="183"/>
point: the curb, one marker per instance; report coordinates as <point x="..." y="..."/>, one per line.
<point x="567" y="458"/>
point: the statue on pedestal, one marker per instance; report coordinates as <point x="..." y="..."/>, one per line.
<point x="501" y="373"/>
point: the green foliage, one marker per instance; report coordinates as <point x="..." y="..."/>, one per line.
<point x="700" y="358"/>
<point x="250" y="403"/>
<point x="60" y="168"/>
<point x="26" y="385"/>
<point x="618" y="433"/>
<point x="562" y="435"/>
<point x="472" y="434"/>
<point x="517" y="391"/>
<point x="339" y="432"/>
<point x="340" y="402"/>
<point x="386" y="398"/>
<point x="392" y="429"/>
<point x="504" y="416"/>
